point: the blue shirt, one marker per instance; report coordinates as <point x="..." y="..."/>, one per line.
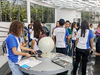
<point x="28" y="30"/>
<point x="11" y="42"/>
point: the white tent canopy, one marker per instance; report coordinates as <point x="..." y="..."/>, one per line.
<point x="80" y="5"/>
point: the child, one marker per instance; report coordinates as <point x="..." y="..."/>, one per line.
<point x="98" y="39"/>
<point x="70" y="33"/>
<point x="74" y="33"/>
<point x="29" y="30"/>
<point x="14" y="48"/>
<point x="61" y="34"/>
<point x="36" y="31"/>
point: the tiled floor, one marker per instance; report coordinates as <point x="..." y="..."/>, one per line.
<point x="93" y="66"/>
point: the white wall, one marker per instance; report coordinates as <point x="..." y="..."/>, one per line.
<point x="67" y="14"/>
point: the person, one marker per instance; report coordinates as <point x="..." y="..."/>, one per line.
<point x="70" y="25"/>
<point x="36" y="31"/>
<point x="29" y="30"/>
<point x="14" y="48"/>
<point x="83" y="40"/>
<point x="60" y="33"/>
<point x="74" y="33"/>
<point x="25" y="33"/>
<point x="45" y="29"/>
<point x="91" y="28"/>
<point x="98" y="37"/>
<point x="31" y="23"/>
<point x="78" y="26"/>
<point x="57" y="25"/>
<point x="70" y="33"/>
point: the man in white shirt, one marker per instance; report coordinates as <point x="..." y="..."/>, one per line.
<point x="91" y="28"/>
<point x="60" y="33"/>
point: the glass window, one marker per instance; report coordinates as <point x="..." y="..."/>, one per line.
<point x="33" y="11"/>
<point x="42" y="13"/>
<point x="0" y="12"/>
<point x="13" y="10"/>
<point x="91" y="17"/>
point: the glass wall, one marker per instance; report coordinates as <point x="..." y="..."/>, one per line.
<point x="91" y="17"/>
<point x="13" y="10"/>
<point x="42" y="13"/>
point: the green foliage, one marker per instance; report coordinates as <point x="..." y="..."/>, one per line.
<point x="42" y="13"/>
<point x="15" y="10"/>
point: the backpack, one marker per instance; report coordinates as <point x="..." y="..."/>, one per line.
<point x="4" y="48"/>
<point x="46" y="30"/>
<point x="41" y="36"/>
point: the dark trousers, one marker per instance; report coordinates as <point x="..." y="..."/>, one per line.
<point x="61" y="50"/>
<point x="98" y="45"/>
<point x="73" y="42"/>
<point x="84" y="53"/>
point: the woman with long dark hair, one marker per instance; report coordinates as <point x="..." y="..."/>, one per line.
<point x="83" y="41"/>
<point x="37" y="30"/>
<point x="74" y="33"/>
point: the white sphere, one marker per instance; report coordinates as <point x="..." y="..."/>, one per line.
<point x="46" y="44"/>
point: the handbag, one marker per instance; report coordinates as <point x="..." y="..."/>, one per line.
<point x="96" y="39"/>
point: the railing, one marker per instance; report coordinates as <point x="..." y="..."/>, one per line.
<point x="3" y="35"/>
<point x="4" y="27"/>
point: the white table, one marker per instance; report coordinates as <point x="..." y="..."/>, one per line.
<point x="47" y="67"/>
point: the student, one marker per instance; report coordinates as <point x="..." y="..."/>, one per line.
<point x="57" y="25"/>
<point x="78" y="26"/>
<point x="29" y="30"/>
<point x="61" y="34"/>
<point x="98" y="39"/>
<point x="14" y="48"/>
<point x="74" y="33"/>
<point x="70" y="33"/>
<point x="82" y="46"/>
<point x="31" y="23"/>
<point x="91" y="28"/>
<point x="45" y="29"/>
<point x="37" y="30"/>
<point x="25" y="33"/>
<point x="70" y="25"/>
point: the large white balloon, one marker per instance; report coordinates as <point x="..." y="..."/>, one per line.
<point x="46" y="44"/>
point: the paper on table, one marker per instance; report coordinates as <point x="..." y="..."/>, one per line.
<point x="33" y="63"/>
<point x="23" y="62"/>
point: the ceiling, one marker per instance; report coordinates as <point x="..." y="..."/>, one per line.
<point x="79" y="5"/>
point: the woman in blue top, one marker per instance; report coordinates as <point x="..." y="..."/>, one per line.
<point x="84" y="39"/>
<point x="14" y="48"/>
<point x="29" y="30"/>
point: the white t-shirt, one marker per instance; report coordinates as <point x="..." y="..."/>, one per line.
<point x="60" y="33"/>
<point x="19" y="43"/>
<point x="35" y="45"/>
<point x="73" y="34"/>
<point x="92" y="29"/>
<point x="84" y="42"/>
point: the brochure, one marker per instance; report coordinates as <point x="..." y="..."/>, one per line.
<point x="28" y="63"/>
<point x="60" y="62"/>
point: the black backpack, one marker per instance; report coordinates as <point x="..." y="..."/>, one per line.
<point x="4" y="48"/>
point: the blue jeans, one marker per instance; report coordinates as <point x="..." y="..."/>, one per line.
<point x="14" y="68"/>
<point x="73" y="42"/>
